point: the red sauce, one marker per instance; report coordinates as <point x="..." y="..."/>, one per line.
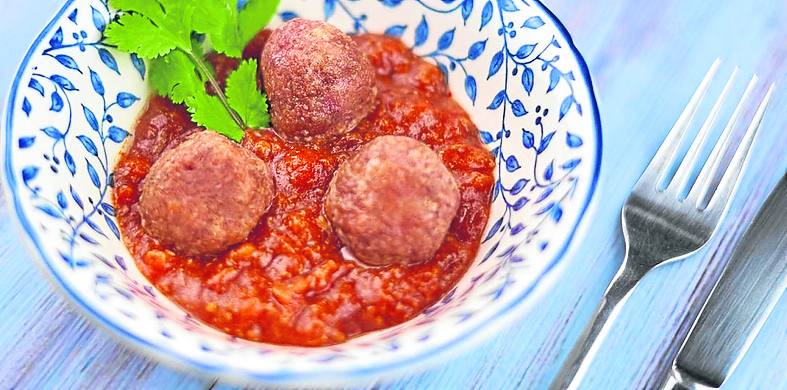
<point x="288" y="282"/>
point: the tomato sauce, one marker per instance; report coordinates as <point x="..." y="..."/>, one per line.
<point x="289" y="282"/>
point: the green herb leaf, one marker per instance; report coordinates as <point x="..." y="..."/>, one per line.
<point x="135" y="33"/>
<point x="153" y="28"/>
<point x="254" y="16"/>
<point x="208" y="111"/>
<point x="149" y="8"/>
<point x="174" y="76"/>
<point x="244" y="96"/>
<point x="219" y="20"/>
<point x="179" y="15"/>
<point x="162" y="32"/>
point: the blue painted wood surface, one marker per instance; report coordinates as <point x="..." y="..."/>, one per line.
<point x="646" y="58"/>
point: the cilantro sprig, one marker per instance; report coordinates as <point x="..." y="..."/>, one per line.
<point x="164" y="31"/>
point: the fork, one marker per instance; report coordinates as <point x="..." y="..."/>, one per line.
<point x="660" y="224"/>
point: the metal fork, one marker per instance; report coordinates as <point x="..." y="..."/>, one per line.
<point x="661" y="225"/>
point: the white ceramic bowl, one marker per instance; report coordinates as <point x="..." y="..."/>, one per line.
<point x="510" y="64"/>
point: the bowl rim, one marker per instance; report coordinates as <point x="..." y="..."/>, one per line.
<point x="178" y="360"/>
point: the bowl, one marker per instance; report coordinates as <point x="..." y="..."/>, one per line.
<point x="509" y="63"/>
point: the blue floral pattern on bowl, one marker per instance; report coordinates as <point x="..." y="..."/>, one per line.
<point x="510" y="64"/>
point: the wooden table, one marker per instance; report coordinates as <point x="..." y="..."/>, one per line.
<point x="646" y="58"/>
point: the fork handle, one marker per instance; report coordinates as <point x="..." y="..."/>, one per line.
<point x="620" y="287"/>
<point x="674" y="383"/>
<point x="677" y="379"/>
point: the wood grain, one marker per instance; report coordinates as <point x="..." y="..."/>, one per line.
<point x="645" y="58"/>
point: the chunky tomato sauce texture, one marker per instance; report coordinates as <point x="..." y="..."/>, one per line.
<point x="289" y="282"/>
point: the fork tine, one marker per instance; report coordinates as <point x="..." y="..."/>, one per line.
<point x="686" y="167"/>
<point x="702" y="186"/>
<point x="724" y="191"/>
<point x="666" y="153"/>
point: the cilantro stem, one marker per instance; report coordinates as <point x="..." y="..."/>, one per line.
<point x="205" y="70"/>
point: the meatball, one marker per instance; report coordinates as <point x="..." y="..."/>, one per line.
<point x="205" y="195"/>
<point x="318" y="81"/>
<point x="393" y="202"/>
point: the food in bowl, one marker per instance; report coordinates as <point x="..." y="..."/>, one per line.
<point x="360" y="207"/>
<point x="61" y="190"/>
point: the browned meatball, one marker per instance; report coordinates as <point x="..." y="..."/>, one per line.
<point x="393" y="202"/>
<point x="204" y="195"/>
<point x="317" y="80"/>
